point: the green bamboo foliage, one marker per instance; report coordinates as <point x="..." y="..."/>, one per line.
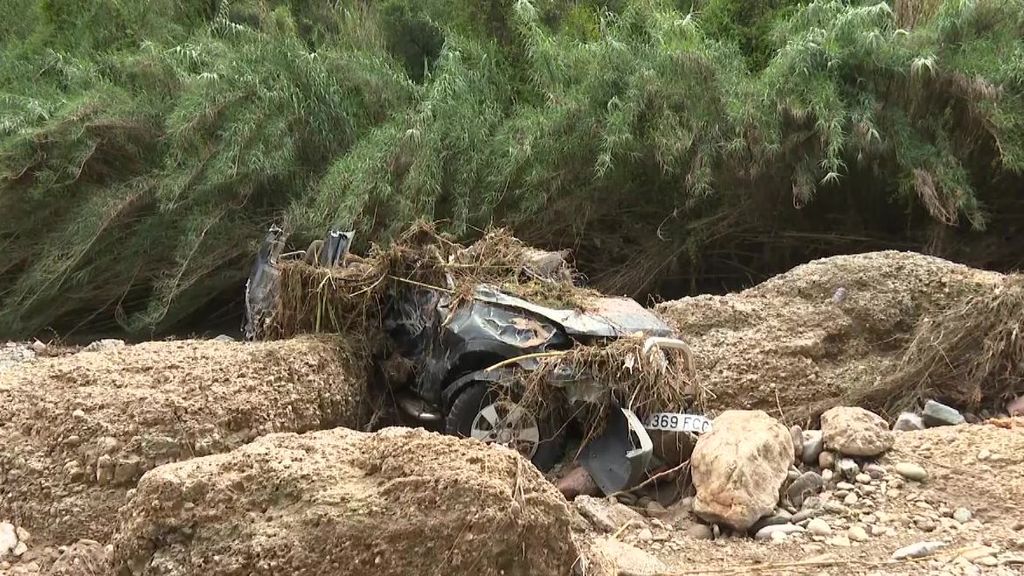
<point x="144" y="147"/>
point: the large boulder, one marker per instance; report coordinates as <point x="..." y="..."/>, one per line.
<point x="855" y="431"/>
<point x="395" y="502"/>
<point x="79" y="430"/>
<point x="739" y="467"/>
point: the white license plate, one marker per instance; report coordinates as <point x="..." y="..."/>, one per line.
<point x="675" y="422"/>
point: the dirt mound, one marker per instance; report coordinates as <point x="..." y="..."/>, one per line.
<point x="821" y="335"/>
<point x="80" y="430"/>
<point x="395" y="502"/>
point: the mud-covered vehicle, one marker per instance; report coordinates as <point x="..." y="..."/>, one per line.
<point x="465" y="355"/>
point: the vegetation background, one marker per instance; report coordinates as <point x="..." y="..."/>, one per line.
<point x="677" y="146"/>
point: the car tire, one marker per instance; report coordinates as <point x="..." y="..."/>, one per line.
<point x="478" y="395"/>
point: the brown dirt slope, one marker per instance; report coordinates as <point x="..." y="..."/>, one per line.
<point x="396" y="502"/>
<point x="80" y="430"/>
<point x="820" y="335"/>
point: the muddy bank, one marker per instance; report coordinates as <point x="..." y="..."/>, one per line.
<point x="395" y="502"/>
<point x="79" y="430"/>
<point x="823" y="334"/>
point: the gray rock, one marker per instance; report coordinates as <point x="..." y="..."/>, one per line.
<point x="917" y="550"/>
<point x="605" y="515"/>
<point x="911" y="471"/>
<point x="127" y="471"/>
<point x="857" y="534"/>
<point x="876" y="471"/>
<point x="1015" y="407"/>
<point x="835" y="508"/>
<point x="700" y="532"/>
<point x="777" y="518"/>
<point x="808" y="484"/>
<point x="826" y="460"/>
<point x="936" y="414"/>
<point x="819" y="527"/>
<point x="848" y="468"/>
<point x="104" y="470"/>
<point x="962" y="515"/>
<point x="766" y="532"/>
<point x="854" y="431"/>
<point x="813" y="444"/>
<point x="797" y="434"/>
<point x="8" y="538"/>
<point x="811" y="503"/>
<point x="907" y="422"/>
<point x="841" y="541"/>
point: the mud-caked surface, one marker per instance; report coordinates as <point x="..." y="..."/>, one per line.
<point x="79" y="430"/>
<point x="818" y="335"/>
<point x="396" y="502"/>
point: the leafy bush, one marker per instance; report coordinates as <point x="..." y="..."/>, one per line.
<point x="145" y="146"/>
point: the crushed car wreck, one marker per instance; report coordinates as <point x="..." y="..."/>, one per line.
<point x="486" y="363"/>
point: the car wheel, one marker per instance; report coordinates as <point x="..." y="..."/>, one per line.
<point x="481" y="412"/>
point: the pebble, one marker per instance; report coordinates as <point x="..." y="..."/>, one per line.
<point x="767" y="531"/>
<point x="907" y="422"/>
<point x="835" y="508"/>
<point x="936" y="414"/>
<point x="777" y="536"/>
<point x="917" y="550"/>
<point x="850" y="499"/>
<point x="8" y="538"/>
<point x="876" y="471"/>
<point x="819" y="527"/>
<point x="826" y="461"/>
<point x="646" y="535"/>
<point x="78" y="414"/>
<point x="654" y="509"/>
<point x="962" y="515"/>
<point x="700" y="532"/>
<point x="844" y="486"/>
<point x="987" y="561"/>
<point x="797" y="435"/>
<point x="863" y="478"/>
<point x="911" y="471"/>
<point x="925" y="524"/>
<point x="878" y="530"/>
<point x="813" y="444"/>
<point x="984" y="454"/>
<point x="848" y="468"/>
<point x="973" y="554"/>
<point x="841" y="541"/>
<point x="857" y="534"/>
<point x="826" y="475"/>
